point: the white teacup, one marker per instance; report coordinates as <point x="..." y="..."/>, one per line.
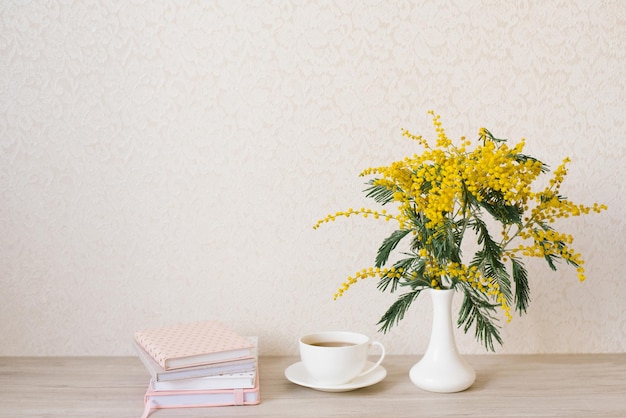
<point x="337" y="357"/>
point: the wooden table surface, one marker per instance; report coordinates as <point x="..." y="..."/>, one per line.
<point x="506" y="386"/>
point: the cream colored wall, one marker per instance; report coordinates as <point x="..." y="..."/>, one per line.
<point x="165" y="161"/>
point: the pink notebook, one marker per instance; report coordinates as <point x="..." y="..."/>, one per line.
<point x="200" y="398"/>
<point x="242" y="365"/>
<point x="193" y="344"/>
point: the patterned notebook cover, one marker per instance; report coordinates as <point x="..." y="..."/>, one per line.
<point x="159" y="374"/>
<point x="193" y="344"/>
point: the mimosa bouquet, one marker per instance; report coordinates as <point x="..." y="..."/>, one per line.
<point x="448" y="198"/>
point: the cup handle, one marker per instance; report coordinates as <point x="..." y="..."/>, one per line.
<point x="380" y="359"/>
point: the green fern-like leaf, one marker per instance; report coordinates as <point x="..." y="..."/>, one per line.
<point x="522" y="288"/>
<point x="444" y="242"/>
<point x="522" y="158"/>
<point x="388" y="245"/>
<point x="477" y="311"/>
<point x="381" y="194"/>
<point x="397" y="310"/>
<point x="413" y="263"/>
<point x="488" y="260"/>
<point x="493" y="202"/>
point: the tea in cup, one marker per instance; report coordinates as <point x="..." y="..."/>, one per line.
<point x="337" y="357"/>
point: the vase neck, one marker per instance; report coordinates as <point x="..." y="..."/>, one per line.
<point x="442" y="334"/>
<point x="442" y="307"/>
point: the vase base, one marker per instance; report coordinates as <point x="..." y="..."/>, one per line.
<point x="442" y="378"/>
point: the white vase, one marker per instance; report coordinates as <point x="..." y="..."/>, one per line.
<point x="442" y="369"/>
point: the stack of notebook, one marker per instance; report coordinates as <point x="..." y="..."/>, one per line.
<point x="198" y="364"/>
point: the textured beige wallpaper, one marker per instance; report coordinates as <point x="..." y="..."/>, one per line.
<point x="164" y="161"/>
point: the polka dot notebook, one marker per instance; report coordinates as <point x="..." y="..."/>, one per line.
<point x="193" y="344"/>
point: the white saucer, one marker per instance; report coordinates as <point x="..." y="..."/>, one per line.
<point x="298" y="375"/>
